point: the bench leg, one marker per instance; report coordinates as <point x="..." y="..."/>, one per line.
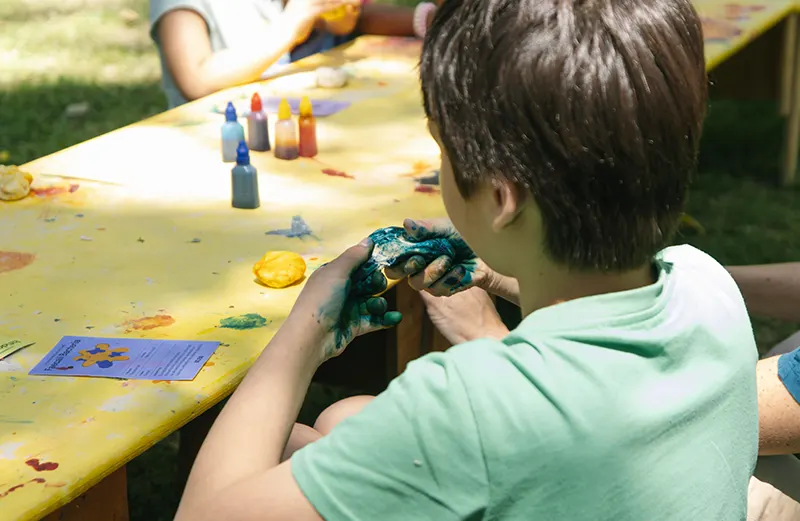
<point x="792" y="134"/>
<point x="106" y="501"/>
<point x="787" y="67"/>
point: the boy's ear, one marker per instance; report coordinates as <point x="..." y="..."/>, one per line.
<point x="508" y="202"/>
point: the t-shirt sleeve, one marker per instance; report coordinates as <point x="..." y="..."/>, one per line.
<point x="158" y="8"/>
<point x="412" y="453"/>
<point x="789" y="372"/>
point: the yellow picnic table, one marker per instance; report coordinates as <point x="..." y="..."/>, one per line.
<point x="132" y="235"/>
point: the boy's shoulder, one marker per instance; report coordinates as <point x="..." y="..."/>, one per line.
<point x="692" y="263"/>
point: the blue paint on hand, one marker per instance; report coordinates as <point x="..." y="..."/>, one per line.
<point x="349" y="315"/>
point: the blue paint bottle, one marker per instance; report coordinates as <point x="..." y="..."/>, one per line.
<point x="232" y="134"/>
<point x="244" y="181"/>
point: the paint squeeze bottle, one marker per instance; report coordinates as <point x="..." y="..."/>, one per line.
<point x="244" y="181"/>
<point x="308" y="129"/>
<point x="285" y="133"/>
<point x="257" y="130"/>
<point x="232" y="134"/>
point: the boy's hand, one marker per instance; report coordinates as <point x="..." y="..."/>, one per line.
<point x="465" y="316"/>
<point x="328" y="311"/>
<point x="441" y="277"/>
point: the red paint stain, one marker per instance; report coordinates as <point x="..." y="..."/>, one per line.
<point x="382" y="84"/>
<point x="336" y="173"/>
<point x="313" y="258"/>
<point x="14" y="260"/>
<point x="209" y="364"/>
<point x="49" y="191"/>
<point x="426" y="189"/>
<point x="148" y="323"/>
<point x="40" y="467"/>
<point x="17" y="487"/>
<point x="162" y="382"/>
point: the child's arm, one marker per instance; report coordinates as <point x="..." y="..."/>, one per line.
<point x="778" y="410"/>
<point x="770" y="290"/>
<point x="238" y="474"/>
<point x="198" y="71"/>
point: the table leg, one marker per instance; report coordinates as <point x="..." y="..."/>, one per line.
<point x="410" y="335"/>
<point x="793" y="121"/>
<point x="787" y="67"/>
<point x="106" y="501"/>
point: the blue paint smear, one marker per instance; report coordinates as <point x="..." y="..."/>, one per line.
<point x="298" y="230"/>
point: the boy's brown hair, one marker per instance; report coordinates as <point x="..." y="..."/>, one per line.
<point x="595" y="106"/>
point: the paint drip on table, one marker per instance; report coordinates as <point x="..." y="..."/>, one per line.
<point x="15" y="260"/>
<point x="297" y="230"/>
<point x="244" y="322"/>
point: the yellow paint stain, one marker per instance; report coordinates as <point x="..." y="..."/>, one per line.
<point x="148" y="323"/>
<point x="207" y="331"/>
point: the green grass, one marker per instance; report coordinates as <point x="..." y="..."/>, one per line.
<point x="56" y="53"/>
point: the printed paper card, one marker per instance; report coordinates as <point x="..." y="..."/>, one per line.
<point x="131" y="358"/>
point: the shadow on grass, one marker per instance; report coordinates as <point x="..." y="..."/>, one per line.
<point x="34" y="121"/>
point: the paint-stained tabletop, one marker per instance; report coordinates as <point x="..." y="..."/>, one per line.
<point x="134" y="236"/>
<point x="730" y="26"/>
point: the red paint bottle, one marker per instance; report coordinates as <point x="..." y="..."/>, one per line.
<point x="308" y="129"/>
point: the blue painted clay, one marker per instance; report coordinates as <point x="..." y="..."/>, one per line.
<point x="392" y="246"/>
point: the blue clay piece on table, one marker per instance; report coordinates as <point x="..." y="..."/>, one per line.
<point x="391" y="246"/>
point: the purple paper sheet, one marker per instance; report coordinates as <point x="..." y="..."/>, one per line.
<point x="320" y="107"/>
<point x="131" y="358"/>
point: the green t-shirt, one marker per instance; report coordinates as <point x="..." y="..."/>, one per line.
<point x="631" y="406"/>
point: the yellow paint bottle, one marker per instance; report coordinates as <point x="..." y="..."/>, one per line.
<point x="285" y="133"/>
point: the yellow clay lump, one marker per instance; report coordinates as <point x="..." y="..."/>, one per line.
<point x="278" y="269"/>
<point x="14" y="183"/>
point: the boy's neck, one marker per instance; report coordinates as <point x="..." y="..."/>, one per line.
<point x="553" y="284"/>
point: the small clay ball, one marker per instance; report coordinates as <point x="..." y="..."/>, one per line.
<point x="14" y="183"/>
<point x="278" y="269"/>
<point x="331" y="78"/>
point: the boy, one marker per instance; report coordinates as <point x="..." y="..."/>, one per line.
<point x="569" y="132"/>
<point x="209" y="45"/>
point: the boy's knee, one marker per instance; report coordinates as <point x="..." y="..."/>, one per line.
<point x="340" y="410"/>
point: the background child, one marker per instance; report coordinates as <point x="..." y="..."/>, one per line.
<point x="209" y="45"/>
<point x="569" y="133"/>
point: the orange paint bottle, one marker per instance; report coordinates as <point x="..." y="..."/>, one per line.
<point x="308" y="129"/>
